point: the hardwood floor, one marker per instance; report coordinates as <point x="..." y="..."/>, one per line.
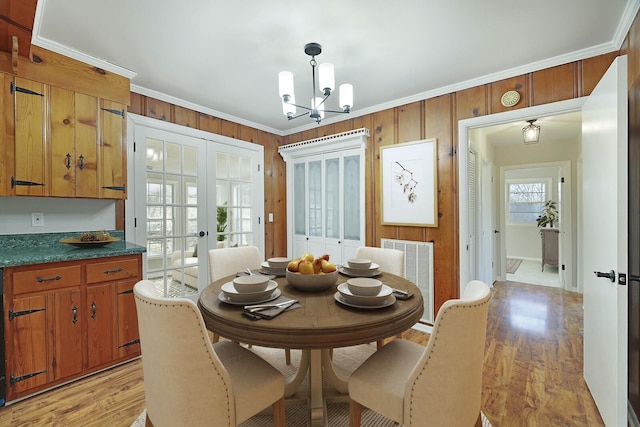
<point x="532" y="375"/>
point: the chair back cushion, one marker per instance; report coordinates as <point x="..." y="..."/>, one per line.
<point x="224" y="262"/>
<point x="185" y="382"/>
<point x="389" y="260"/>
<point x="446" y="385"/>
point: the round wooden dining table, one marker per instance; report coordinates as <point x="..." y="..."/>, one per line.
<point x="319" y="325"/>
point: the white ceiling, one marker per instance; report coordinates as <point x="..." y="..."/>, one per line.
<point x="223" y="57"/>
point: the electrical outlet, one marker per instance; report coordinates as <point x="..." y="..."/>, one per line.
<point x="37" y="219"/>
<point x="270" y="216"/>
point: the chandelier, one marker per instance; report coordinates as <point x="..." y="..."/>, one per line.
<point x="326" y="84"/>
<point x="531" y="132"/>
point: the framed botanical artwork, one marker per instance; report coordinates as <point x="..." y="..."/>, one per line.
<point x="409" y="184"/>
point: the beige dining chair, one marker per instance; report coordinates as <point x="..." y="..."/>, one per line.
<point x="224" y="262"/>
<point x="189" y="381"/>
<point x="436" y="385"/>
<point x="389" y="260"/>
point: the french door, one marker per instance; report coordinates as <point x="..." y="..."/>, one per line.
<point x="190" y="195"/>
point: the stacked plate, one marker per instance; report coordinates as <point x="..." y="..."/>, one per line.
<point x="360" y="268"/>
<point x="275" y="266"/>
<point x="231" y="295"/>
<point x="382" y="299"/>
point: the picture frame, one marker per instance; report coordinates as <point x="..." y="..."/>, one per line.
<point x="409" y="183"/>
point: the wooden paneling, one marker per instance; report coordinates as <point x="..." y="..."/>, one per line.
<point x="555" y="84"/>
<point x="16" y="19"/>
<point x="230" y="129"/>
<point x="593" y="69"/>
<point x="185" y="117"/>
<point x="57" y="70"/>
<point x="497" y="89"/>
<point x="208" y="123"/>
<point x="471" y="102"/>
<point x="157" y="109"/>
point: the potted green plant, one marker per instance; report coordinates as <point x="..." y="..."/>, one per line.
<point x="549" y="214"/>
<point x="221" y="217"/>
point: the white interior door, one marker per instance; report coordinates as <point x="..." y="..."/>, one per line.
<point x="604" y="150"/>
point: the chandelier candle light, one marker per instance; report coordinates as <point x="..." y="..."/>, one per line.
<point x="326" y="84"/>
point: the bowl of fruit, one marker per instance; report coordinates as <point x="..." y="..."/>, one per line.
<point x="312" y="274"/>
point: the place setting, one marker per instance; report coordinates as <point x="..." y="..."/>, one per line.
<point x="249" y="289"/>
<point x="274" y="266"/>
<point x="357" y="267"/>
<point x="366" y="293"/>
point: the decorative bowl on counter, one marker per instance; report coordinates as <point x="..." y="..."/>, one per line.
<point x="75" y="241"/>
<point x="312" y="282"/>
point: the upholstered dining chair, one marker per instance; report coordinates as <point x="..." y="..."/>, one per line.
<point x="189" y="381"/>
<point x="224" y="262"/>
<point x="436" y="385"/>
<point x="389" y="260"/>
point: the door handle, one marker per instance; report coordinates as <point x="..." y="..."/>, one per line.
<point x="622" y="278"/>
<point x="610" y="275"/>
<point x="496" y="231"/>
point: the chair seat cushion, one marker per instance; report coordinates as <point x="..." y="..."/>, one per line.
<point x="254" y="388"/>
<point x="381" y="380"/>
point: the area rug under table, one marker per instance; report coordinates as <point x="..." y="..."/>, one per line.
<point x="345" y="361"/>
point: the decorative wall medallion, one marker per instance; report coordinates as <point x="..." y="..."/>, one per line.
<point x="510" y="98"/>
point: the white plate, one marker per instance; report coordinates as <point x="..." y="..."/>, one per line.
<point x="230" y="292"/>
<point x="390" y="300"/>
<point x="359" y="272"/>
<point x="348" y="296"/>
<point x="273" y="295"/>
<point x="373" y="266"/>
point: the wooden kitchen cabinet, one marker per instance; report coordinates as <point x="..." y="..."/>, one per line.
<point x="61" y="143"/>
<point x="68" y="319"/>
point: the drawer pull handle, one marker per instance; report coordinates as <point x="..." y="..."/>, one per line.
<point x="47" y="279"/>
<point x="75" y="314"/>
<point x="93" y="310"/>
<point x="117" y="270"/>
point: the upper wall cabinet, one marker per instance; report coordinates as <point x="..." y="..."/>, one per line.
<point x="60" y="143"/>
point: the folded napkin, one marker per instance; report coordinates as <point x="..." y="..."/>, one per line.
<point x="270" y="313"/>
<point x="244" y="273"/>
<point x="403" y="295"/>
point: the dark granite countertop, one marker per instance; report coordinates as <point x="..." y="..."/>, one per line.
<point x="26" y="249"/>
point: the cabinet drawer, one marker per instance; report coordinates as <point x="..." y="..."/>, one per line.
<point x="112" y="270"/>
<point x="39" y="280"/>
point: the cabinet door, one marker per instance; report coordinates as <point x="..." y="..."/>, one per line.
<point x="7" y="132"/>
<point x="30" y="101"/>
<point x="86" y="146"/>
<point x="62" y="157"/>
<point x="113" y="167"/>
<point x="128" y="337"/>
<point x="67" y="331"/>
<point x="28" y="365"/>
<point x="100" y="327"/>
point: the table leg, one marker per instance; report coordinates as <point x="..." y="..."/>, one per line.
<point x="317" y="407"/>
<point x="340" y="383"/>
<point x="292" y="384"/>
